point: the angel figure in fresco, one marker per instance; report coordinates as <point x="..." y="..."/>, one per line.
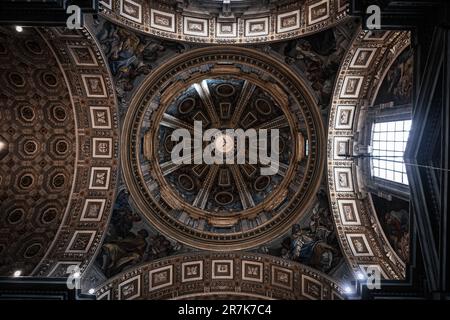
<point x="400" y="79"/>
<point x="311" y="245"/>
<point x="125" y="53"/>
<point x="126" y="60"/>
<point x="306" y="248"/>
<point x="405" y="84"/>
<point x="397" y="230"/>
<point x="120" y="253"/>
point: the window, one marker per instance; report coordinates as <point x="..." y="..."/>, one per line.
<point x="389" y="143"/>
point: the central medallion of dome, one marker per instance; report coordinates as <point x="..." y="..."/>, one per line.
<point x="233" y="122"/>
<point x="222" y="148"/>
<point x="225" y="143"/>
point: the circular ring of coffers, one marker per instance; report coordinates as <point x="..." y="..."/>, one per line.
<point x="142" y="172"/>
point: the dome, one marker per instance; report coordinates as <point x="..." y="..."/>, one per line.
<point x="228" y="205"/>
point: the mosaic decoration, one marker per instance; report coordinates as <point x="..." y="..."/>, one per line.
<point x="130" y="241"/>
<point x="312" y="241"/>
<point x="395" y="218"/>
<point x="318" y="57"/>
<point x="131" y="56"/>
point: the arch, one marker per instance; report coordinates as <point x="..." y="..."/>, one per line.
<point x="289" y="21"/>
<point x="362" y="71"/>
<point x="226" y="275"/>
<point x="68" y="121"/>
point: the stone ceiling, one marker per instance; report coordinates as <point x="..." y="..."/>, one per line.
<point x="78" y="106"/>
<point x="59" y="150"/>
<point x="198" y="22"/>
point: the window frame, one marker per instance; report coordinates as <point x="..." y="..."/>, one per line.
<point x="388" y="158"/>
<point x="375" y="114"/>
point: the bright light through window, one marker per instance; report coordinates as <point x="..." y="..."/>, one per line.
<point x="389" y="143"/>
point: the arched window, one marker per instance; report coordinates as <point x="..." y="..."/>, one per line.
<point x="388" y="147"/>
